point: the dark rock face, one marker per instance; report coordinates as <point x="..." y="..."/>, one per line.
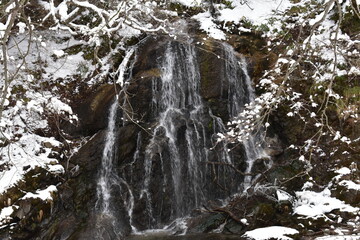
<point x="77" y="196"/>
<point x="92" y="111"/>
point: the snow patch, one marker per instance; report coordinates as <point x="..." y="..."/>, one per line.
<point x="283" y="196"/>
<point x="5" y="215"/>
<point x="350" y="185"/>
<point x="255" y="11"/>
<point x="188" y="3"/>
<point x="276" y="232"/>
<point x="59" y="53"/>
<point x="44" y="195"/>
<point x="58" y="106"/>
<point x="123" y="66"/>
<point x="316" y="204"/>
<point x="343" y="171"/>
<point x="338" y="238"/>
<point x="26" y="154"/>
<point x="207" y="24"/>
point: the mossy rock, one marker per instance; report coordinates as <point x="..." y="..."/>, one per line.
<point x="75" y="49"/>
<point x="296" y="10"/>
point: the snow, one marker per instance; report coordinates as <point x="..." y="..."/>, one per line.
<point x="58" y="106"/>
<point x="290" y="114"/>
<point x="307" y="185"/>
<point x="188" y="3"/>
<point x="343" y="171"/>
<point x="342" y="237"/>
<point x="208" y="25"/>
<point x="59" y="53"/>
<point x="350" y="185"/>
<point x="67" y="66"/>
<point x="276" y="232"/>
<point x="10" y="7"/>
<point x="123" y="66"/>
<point x="2" y="30"/>
<point x="21" y="27"/>
<point x="5" y="214"/>
<point x="282" y="195"/>
<point x="56" y="169"/>
<point x="62" y="9"/>
<point x="256" y="11"/>
<point x="45" y="195"/>
<point x="316" y="204"/>
<point x="27" y="153"/>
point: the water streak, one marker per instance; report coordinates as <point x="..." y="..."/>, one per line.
<point x="108" y="179"/>
<point x="240" y="93"/>
<point x="177" y="103"/>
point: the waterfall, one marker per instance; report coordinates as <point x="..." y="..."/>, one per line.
<point x="177" y="170"/>
<point x="181" y="140"/>
<point x="108" y="180"/>
<point x="240" y="93"/>
<point x="178" y="105"/>
<point x="107" y="175"/>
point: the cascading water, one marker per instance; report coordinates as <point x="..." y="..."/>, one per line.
<point x="108" y="180"/>
<point x="181" y="140"/>
<point x="240" y="93"/>
<point x="177" y="171"/>
<point x="178" y="104"/>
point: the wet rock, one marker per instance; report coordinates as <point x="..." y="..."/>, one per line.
<point x="139" y="96"/>
<point x="346" y="194"/>
<point x="273" y="146"/>
<point x="206" y="223"/>
<point x="233" y="227"/>
<point x="127" y="137"/>
<point x="254" y="46"/>
<point x="92" y="111"/>
<point x="77" y="195"/>
<point x="261" y="165"/>
<point x="211" y="68"/>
